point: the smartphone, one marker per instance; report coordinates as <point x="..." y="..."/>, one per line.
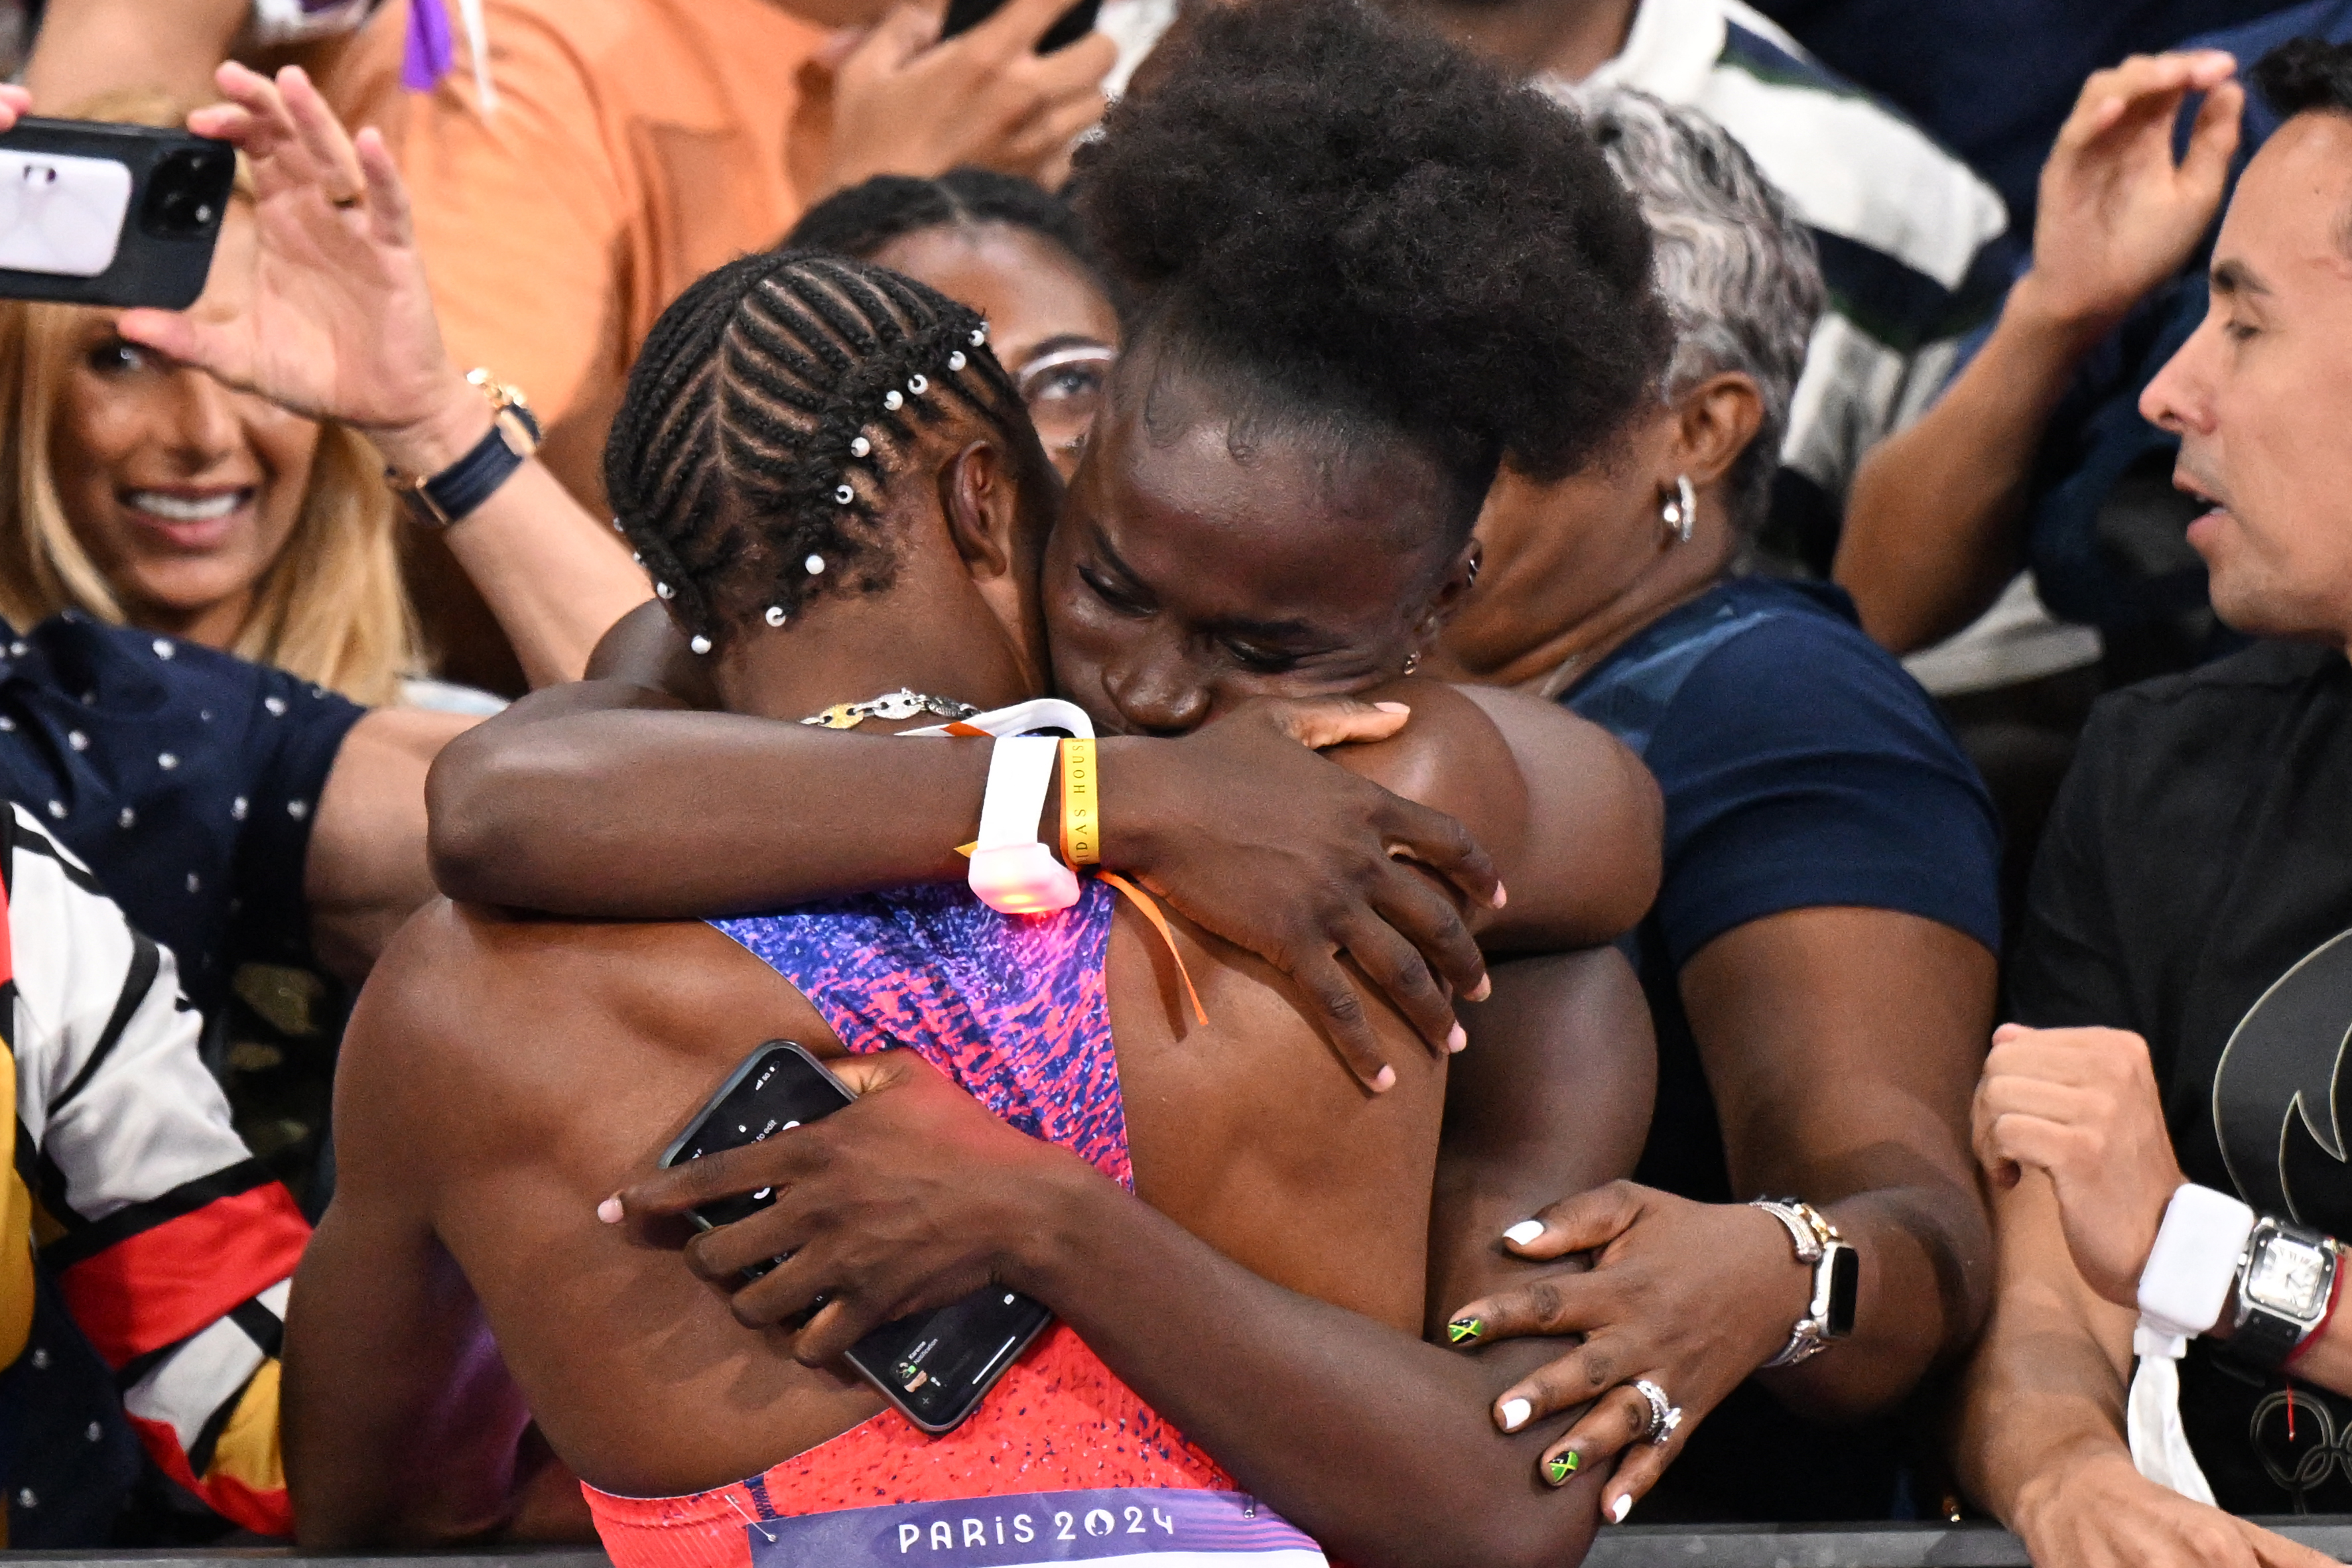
<point x="94" y="213"/>
<point x="935" y="1366"/>
<point x="1075" y="22"/>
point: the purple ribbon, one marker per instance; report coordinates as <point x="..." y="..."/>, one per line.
<point x="430" y="55"/>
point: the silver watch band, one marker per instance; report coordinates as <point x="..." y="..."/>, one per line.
<point x="1813" y="1239"/>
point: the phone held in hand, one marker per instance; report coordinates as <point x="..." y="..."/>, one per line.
<point x="935" y="1366"/>
<point x="92" y="213"/>
<point x="1073" y="24"/>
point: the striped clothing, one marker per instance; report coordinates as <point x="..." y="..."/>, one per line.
<point x="1906" y="233"/>
<point x="168" y="1244"/>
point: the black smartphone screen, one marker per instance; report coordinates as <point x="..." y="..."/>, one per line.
<point x="935" y="1366"/>
<point x="1073" y="24"/>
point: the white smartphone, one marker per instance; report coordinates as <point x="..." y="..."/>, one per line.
<point x="60" y="213"/>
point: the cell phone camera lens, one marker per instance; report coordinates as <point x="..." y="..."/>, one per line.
<point x="187" y="192"/>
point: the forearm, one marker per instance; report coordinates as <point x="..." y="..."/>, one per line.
<point x="555" y="806"/>
<point x="555" y="578"/>
<point x="86" y="47"/>
<point x="2043" y="1391"/>
<point x="1374" y="1441"/>
<point x="1932" y="525"/>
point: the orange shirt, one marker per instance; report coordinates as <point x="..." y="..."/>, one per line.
<point x="636" y="144"/>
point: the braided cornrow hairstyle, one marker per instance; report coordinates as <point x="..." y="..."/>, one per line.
<point x="767" y="414"/>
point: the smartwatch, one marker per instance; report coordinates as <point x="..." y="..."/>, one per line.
<point x="443" y="499"/>
<point x="2283" y="1288"/>
<point x="1837" y="1280"/>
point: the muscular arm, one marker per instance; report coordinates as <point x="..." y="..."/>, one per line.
<point x="402" y="1427"/>
<point x="367" y="872"/>
<point x="1842" y="1045"/>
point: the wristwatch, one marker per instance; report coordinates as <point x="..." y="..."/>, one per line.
<point x="2284" y="1288"/>
<point x="440" y="501"/>
<point x="1837" y="1280"/>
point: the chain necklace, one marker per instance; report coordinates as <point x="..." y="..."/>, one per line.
<point x="903" y="703"/>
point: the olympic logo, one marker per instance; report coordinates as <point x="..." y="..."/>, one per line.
<point x="2300" y="1463"/>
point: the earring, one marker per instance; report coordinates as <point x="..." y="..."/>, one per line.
<point x="1470" y="573"/>
<point x="1412" y="662"/>
<point x="1681" y="513"/>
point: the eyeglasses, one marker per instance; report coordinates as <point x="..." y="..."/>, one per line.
<point x="1063" y="391"/>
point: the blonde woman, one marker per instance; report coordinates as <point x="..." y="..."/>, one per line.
<point x="145" y="493"/>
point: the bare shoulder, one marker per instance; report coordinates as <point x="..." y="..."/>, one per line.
<point x="1572" y="817"/>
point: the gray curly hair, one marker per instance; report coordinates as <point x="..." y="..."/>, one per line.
<point x="1738" y="269"/>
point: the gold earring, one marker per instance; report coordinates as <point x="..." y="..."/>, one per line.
<point x="1412" y="662"/>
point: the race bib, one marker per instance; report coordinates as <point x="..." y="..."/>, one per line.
<point x="1150" y="1527"/>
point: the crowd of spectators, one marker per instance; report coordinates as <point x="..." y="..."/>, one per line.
<point x="1718" y="633"/>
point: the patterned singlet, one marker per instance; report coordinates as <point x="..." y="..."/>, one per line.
<point x="1062" y="1462"/>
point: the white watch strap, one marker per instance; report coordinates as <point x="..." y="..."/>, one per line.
<point x="1019" y="771"/>
<point x="2159" y="1444"/>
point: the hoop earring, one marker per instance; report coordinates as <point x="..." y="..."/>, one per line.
<point x="1412" y="662"/>
<point x="1681" y="513"/>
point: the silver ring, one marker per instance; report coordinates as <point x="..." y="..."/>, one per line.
<point x="1665" y="1414"/>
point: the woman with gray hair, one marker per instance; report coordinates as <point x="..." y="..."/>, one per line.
<point x="1820" y="963"/>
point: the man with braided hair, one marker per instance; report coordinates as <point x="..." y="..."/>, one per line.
<point x="827" y="472"/>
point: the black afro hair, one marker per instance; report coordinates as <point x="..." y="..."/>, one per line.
<point x="1373" y="228"/>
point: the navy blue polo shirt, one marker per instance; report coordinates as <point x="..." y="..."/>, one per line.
<point x="1802" y="768"/>
<point x="186" y="778"/>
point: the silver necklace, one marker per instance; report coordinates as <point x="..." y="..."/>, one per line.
<point x="903" y="703"/>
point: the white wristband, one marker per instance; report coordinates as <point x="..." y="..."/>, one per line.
<point x="1012" y="871"/>
<point x="2195" y="1259"/>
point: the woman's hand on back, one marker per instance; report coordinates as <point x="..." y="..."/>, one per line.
<point x="338" y="322"/>
<point x="1252" y="837"/>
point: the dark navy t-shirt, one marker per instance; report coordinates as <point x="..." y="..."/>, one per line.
<point x="1802" y="768"/>
<point x="186" y="778"/>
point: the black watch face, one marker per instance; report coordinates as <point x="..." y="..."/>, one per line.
<point x="1845" y="1287"/>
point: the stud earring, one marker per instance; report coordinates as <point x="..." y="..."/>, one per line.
<point x="1471" y="573"/>
<point x="1681" y="513"/>
<point x="1413" y="662"/>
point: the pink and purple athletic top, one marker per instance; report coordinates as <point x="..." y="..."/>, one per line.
<point x="1062" y="1463"/>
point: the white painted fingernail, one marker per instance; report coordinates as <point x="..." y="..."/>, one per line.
<point x="1524" y="1233"/>
<point x="609" y="1211"/>
<point x="1621" y="1508"/>
<point x="1457" y="1039"/>
<point x="1515" y="1414"/>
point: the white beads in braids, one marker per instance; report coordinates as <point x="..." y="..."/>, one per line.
<point x="918" y="385"/>
<point x="955" y="360"/>
<point x="665" y="590"/>
<point x="699" y="643"/>
<point x="843" y="494"/>
<point x="776" y="615"/>
<point x="859" y="446"/>
<point x="813" y="565"/>
<point x="893" y="400"/>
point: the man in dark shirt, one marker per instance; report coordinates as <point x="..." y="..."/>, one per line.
<point x="2196" y="889"/>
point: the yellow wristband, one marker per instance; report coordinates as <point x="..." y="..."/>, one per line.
<point x="1081" y="805"/>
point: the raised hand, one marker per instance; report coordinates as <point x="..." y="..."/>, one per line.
<point x="336" y="321"/>
<point x="2118" y="215"/>
<point x="907" y="101"/>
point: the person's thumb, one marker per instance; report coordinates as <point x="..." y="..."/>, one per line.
<point x="838" y="46"/>
<point x="1315" y="722"/>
